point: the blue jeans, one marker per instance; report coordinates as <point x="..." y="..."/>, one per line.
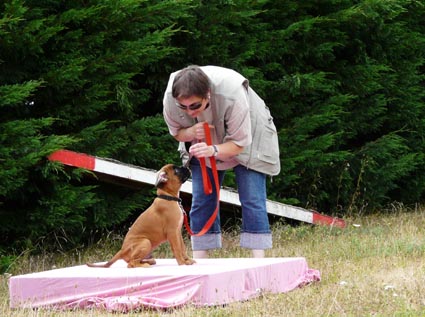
<point x="255" y="231"/>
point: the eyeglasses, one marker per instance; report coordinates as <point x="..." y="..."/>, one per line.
<point x="193" y="106"/>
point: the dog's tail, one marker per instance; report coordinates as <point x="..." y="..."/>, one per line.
<point x="107" y="264"/>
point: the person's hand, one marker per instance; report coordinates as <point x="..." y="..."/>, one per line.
<point x="201" y="150"/>
<point x="198" y="131"/>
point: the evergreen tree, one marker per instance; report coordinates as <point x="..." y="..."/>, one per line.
<point x="344" y="80"/>
<point x="77" y="75"/>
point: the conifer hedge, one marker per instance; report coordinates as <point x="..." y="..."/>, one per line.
<point x="344" y="81"/>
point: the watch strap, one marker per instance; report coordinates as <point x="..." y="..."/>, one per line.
<point x="215" y="150"/>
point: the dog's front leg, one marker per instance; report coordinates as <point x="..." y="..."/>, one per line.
<point x="187" y="260"/>
<point x="178" y="247"/>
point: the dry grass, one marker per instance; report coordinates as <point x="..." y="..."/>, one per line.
<point x="374" y="269"/>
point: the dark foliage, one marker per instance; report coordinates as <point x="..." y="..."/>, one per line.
<point x="344" y="80"/>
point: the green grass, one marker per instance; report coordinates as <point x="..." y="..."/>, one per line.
<point x="374" y="267"/>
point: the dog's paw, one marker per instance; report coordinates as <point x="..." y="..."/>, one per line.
<point x="137" y="264"/>
<point x="185" y="261"/>
<point x="150" y="261"/>
<point x="189" y="261"/>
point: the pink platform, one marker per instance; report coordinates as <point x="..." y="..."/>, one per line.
<point x="208" y="282"/>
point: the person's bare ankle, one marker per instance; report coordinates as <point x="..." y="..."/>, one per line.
<point x="258" y="253"/>
<point x="201" y="254"/>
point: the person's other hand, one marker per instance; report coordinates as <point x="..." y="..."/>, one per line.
<point x="201" y="149"/>
<point x="198" y="131"/>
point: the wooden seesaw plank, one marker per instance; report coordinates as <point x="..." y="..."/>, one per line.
<point x="130" y="173"/>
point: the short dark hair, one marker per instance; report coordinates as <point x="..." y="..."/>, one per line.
<point x="191" y="81"/>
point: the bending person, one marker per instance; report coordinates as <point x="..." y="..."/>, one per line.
<point x="244" y="139"/>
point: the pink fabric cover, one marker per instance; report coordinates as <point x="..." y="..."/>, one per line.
<point x="164" y="285"/>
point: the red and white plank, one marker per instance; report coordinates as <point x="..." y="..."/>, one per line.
<point x="147" y="176"/>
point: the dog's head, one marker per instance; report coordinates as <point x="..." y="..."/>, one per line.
<point x="172" y="174"/>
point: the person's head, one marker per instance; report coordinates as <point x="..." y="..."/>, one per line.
<point x="191" y="81"/>
<point x="191" y="89"/>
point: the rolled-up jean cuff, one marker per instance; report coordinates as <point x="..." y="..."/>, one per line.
<point x="206" y="242"/>
<point x="256" y="241"/>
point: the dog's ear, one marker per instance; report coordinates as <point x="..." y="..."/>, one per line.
<point x="161" y="178"/>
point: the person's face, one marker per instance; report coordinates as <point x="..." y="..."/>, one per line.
<point x="193" y="105"/>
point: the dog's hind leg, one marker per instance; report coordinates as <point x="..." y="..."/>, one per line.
<point x="149" y="259"/>
<point x="141" y="255"/>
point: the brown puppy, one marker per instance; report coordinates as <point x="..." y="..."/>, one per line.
<point x="161" y="222"/>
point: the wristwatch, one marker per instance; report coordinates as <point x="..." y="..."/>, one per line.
<point x="215" y="150"/>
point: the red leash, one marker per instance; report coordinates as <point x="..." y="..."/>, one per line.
<point x="207" y="186"/>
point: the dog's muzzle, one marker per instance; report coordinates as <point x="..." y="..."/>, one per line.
<point x="182" y="172"/>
